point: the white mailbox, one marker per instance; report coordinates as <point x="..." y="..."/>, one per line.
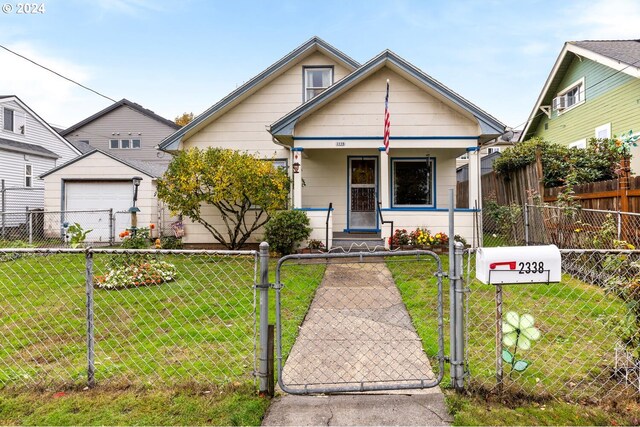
<point x="518" y="264"/>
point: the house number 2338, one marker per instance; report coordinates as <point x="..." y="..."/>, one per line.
<point x="531" y="267"/>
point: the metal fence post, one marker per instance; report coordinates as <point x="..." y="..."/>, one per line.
<point x="30" y="227"/>
<point x="90" y="334"/>
<point x="263" y="370"/>
<point x="459" y="320"/>
<point x="112" y="228"/>
<point x="526" y="224"/>
<point x="452" y="290"/>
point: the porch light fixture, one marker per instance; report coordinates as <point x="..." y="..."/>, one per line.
<point x="296" y="167"/>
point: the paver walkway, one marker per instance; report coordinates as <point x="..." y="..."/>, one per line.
<point x="358" y="331"/>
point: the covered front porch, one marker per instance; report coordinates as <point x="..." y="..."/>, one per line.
<point x="348" y="192"/>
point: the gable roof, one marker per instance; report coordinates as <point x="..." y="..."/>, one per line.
<point x="7" y="98"/>
<point x="620" y="55"/>
<point x="82" y="146"/>
<point x="489" y="125"/>
<point x="123" y="102"/>
<point x="26" y="148"/>
<point x="171" y="142"/>
<point x="153" y="170"/>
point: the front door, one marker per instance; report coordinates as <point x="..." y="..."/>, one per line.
<point x="363" y="179"/>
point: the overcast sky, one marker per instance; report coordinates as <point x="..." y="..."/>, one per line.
<point x="183" y="56"/>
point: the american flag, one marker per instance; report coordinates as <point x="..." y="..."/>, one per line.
<point x="387" y="122"/>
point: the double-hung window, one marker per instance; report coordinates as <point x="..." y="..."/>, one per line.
<point x="28" y="175"/>
<point x="316" y="80"/>
<point x="413" y="182"/>
<point x="8" y="120"/>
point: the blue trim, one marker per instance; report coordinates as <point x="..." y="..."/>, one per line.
<point x="382" y="149"/>
<point x="349" y="187"/>
<point x="297" y="149"/>
<point x="380" y="138"/>
<point x="469" y="149"/>
<point x="433" y="183"/>
<point x="312" y="209"/>
<point x="429" y="210"/>
<point x="360" y="230"/>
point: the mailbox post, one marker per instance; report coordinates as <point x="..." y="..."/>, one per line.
<point x="515" y="265"/>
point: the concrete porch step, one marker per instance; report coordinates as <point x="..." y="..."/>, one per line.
<point x="357" y="242"/>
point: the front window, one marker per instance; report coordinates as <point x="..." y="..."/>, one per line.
<point x="316" y="80"/>
<point x="492" y="150"/>
<point x="8" y="120"/>
<point x="413" y="182"/>
<point x="28" y="176"/>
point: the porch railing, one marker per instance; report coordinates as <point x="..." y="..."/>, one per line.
<point x="326" y="227"/>
<point x="382" y="221"/>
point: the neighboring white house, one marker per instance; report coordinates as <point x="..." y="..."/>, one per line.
<point x="321" y="112"/>
<point x="29" y="147"/>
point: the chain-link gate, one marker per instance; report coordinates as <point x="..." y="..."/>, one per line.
<point x="357" y="334"/>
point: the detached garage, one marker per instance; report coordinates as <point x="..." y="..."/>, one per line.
<point x="96" y="190"/>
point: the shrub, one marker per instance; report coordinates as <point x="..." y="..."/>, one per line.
<point x="170" y="242"/>
<point x="315" y="244"/>
<point x="286" y="229"/>
<point x="141" y="239"/>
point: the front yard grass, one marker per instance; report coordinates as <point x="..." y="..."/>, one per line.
<point x="177" y="353"/>
<point x="571" y="363"/>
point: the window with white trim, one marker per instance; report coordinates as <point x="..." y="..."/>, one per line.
<point x="491" y="150"/>
<point x="14" y="121"/>
<point x="28" y="175"/>
<point x="412" y="182"/>
<point x="465" y="156"/>
<point x="126" y="144"/>
<point x="569" y="97"/>
<point x="280" y="164"/>
<point x="603" y="131"/>
<point x="316" y="80"/>
<point x="581" y="143"/>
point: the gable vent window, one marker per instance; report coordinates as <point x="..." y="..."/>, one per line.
<point x="13" y="121"/>
<point x="125" y="144"/>
<point x="316" y="80"/>
<point x="569" y="97"/>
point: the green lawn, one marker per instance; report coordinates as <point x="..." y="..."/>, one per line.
<point x="192" y="335"/>
<point x="571" y="362"/>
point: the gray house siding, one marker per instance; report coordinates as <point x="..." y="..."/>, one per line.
<point x="17" y="198"/>
<point x="126" y="123"/>
<point x="35" y="133"/>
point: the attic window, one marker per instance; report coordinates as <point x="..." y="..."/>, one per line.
<point x="570" y="97"/>
<point x="13" y="121"/>
<point x="316" y="80"/>
<point x="8" y="120"/>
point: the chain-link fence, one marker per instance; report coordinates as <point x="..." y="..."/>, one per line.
<point x="565" y="227"/>
<point x="41" y="228"/>
<point x="126" y="318"/>
<point x="358" y="334"/>
<point x="586" y="338"/>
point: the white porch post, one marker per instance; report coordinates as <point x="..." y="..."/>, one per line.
<point x="297" y="177"/>
<point x="475" y="194"/>
<point x="384" y="178"/>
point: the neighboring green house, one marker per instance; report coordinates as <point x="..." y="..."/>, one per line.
<point x="593" y="90"/>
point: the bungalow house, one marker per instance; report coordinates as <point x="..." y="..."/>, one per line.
<point x="592" y="92"/>
<point x="320" y="113"/>
<point x="29" y="147"/>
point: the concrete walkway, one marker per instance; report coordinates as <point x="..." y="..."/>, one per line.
<point x="358" y="332"/>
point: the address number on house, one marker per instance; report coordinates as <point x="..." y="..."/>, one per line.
<point x="518" y="264"/>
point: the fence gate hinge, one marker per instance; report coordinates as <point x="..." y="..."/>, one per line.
<point x="440" y="274"/>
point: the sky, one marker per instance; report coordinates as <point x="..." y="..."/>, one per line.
<point x="175" y="56"/>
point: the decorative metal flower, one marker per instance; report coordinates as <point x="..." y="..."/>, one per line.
<point x="519" y="330"/>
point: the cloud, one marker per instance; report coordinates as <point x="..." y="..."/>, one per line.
<point x="54" y="99"/>
<point x="604" y="19"/>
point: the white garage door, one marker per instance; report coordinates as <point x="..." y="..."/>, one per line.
<point x="98" y="195"/>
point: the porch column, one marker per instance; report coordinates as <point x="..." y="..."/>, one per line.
<point x="475" y="194"/>
<point x="297" y="177"/>
<point x="384" y="178"/>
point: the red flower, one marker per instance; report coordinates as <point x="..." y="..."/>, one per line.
<point x="152" y="226"/>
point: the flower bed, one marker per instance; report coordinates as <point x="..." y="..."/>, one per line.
<point x="420" y="238"/>
<point x="143" y="272"/>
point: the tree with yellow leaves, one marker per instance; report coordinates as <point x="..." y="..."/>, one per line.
<point x="243" y="189"/>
